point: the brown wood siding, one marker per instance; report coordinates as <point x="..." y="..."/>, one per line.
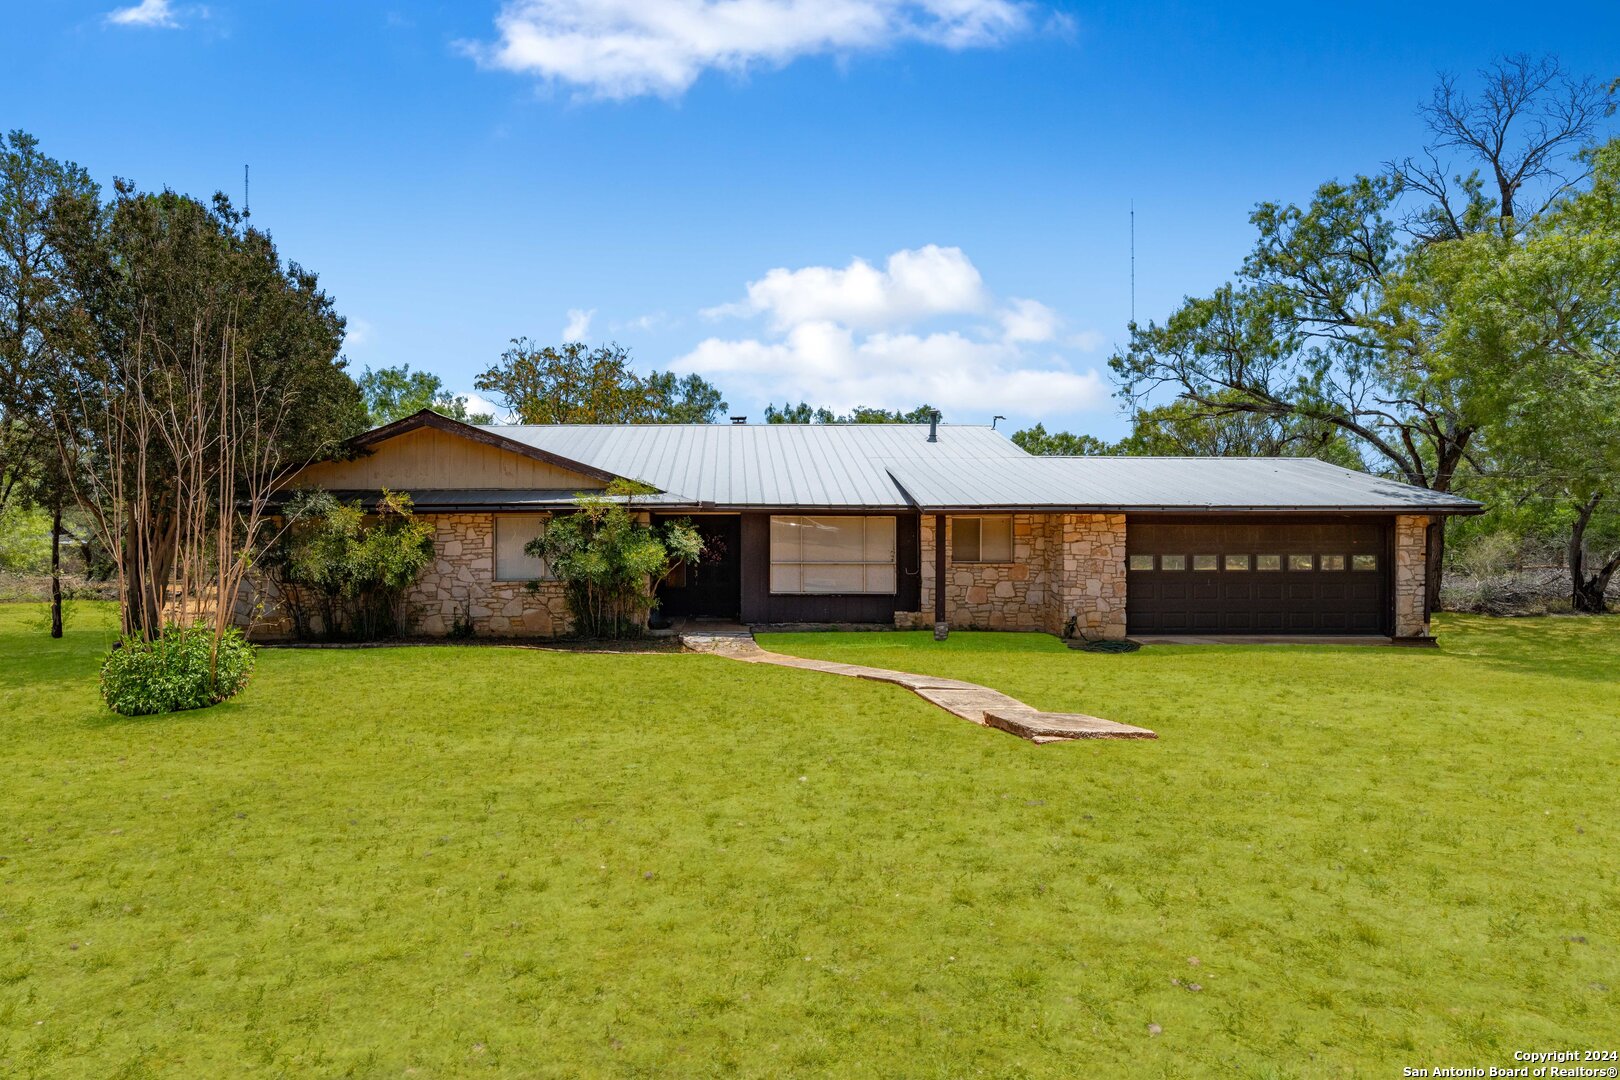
<point x="429" y="458"/>
<point x="1254" y="601"/>
<point x="759" y="605"/>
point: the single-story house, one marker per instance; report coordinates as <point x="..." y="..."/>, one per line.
<point x="912" y="525"/>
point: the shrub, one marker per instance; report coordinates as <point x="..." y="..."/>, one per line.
<point x="175" y="671"/>
<point x="355" y="566"/>
<point x="609" y="562"/>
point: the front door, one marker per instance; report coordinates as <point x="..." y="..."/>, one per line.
<point x="713" y="588"/>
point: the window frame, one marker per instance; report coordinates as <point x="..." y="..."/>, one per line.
<point x="496" y="573"/>
<point x="979" y="519"/>
<point x="888" y="586"/>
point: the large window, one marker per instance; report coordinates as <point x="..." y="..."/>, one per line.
<point x="832" y="554"/>
<point x="512" y="563"/>
<point x="981" y="539"/>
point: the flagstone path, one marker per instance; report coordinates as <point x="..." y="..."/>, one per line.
<point x="970" y="701"/>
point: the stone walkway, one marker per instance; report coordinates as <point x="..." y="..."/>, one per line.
<point x="970" y="701"/>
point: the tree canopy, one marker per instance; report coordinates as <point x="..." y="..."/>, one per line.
<point x="1346" y="313"/>
<point x="575" y="384"/>
<point x="184" y="369"/>
<point x="393" y="393"/>
<point x="804" y="413"/>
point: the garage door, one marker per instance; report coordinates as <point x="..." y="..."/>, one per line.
<point x="1258" y="576"/>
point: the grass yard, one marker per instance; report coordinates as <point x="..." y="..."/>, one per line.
<point x="462" y="861"/>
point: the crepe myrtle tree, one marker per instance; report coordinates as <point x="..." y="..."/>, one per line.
<point x="610" y="562"/>
<point x="194" y="372"/>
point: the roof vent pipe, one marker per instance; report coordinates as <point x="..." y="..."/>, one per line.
<point x="933" y="426"/>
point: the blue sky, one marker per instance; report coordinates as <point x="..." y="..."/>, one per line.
<point x="873" y="201"/>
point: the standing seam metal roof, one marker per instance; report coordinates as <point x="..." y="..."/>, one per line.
<point x="894" y="466"/>
<point x="812" y="465"/>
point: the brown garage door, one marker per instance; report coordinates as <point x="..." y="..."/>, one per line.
<point x="1258" y="576"/>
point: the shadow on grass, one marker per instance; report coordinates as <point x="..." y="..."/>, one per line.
<point x="1584" y="647"/>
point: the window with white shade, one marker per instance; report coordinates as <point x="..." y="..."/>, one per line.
<point x="512" y="563"/>
<point x="982" y="539"/>
<point x="811" y="555"/>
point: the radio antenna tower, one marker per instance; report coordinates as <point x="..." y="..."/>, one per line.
<point x="247" y="212"/>
<point x="1133" y="262"/>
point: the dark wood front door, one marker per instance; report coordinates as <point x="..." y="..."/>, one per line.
<point x="1258" y="576"/>
<point x="712" y="589"/>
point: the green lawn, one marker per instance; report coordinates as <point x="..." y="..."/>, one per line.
<point x="463" y="861"/>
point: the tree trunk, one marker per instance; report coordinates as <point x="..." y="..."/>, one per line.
<point x="56" y="570"/>
<point x="1587" y="594"/>
<point x="1434" y="563"/>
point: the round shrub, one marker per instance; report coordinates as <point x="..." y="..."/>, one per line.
<point x="172" y="673"/>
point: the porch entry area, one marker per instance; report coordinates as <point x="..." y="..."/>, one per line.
<point x="712" y="589"/>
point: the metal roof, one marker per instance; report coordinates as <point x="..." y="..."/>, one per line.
<point x="895" y="467"/>
<point x="1167" y="484"/>
<point x="815" y="466"/>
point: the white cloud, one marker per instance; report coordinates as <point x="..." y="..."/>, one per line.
<point x="841" y="337"/>
<point x="1088" y="340"/>
<point x="827" y="364"/>
<point x="477" y="403"/>
<point x="1028" y="320"/>
<point x="652" y="320"/>
<point x="358" y="332"/>
<point x="914" y="284"/>
<point x="579" y="324"/>
<point x="627" y="48"/>
<point x="156" y="13"/>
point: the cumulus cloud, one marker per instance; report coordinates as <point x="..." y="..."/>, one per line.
<point x="845" y="336"/>
<point x="914" y="284"/>
<point x="579" y="324"/>
<point x="156" y="13"/>
<point x="478" y="403"/>
<point x="627" y="48"/>
<point x="1028" y="320"/>
<point x="358" y="332"/>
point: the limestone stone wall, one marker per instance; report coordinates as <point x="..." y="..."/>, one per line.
<point x="460" y="582"/>
<point x="1088" y="575"/>
<point x="1062" y="564"/>
<point x="1411" y="575"/>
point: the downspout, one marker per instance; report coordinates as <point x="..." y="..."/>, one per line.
<point x="941" y="629"/>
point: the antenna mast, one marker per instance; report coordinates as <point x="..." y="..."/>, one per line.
<point x="247" y="212"/>
<point x="1133" y="262"/>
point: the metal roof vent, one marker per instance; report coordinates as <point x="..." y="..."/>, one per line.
<point x="933" y="426"/>
<point x="739" y="419"/>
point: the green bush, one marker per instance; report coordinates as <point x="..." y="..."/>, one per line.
<point x="176" y="671"/>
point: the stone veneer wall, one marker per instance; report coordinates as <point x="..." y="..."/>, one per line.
<point x="1088" y="575"/>
<point x="459" y="582"/>
<point x="1063" y="564"/>
<point x="1411" y="575"/>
